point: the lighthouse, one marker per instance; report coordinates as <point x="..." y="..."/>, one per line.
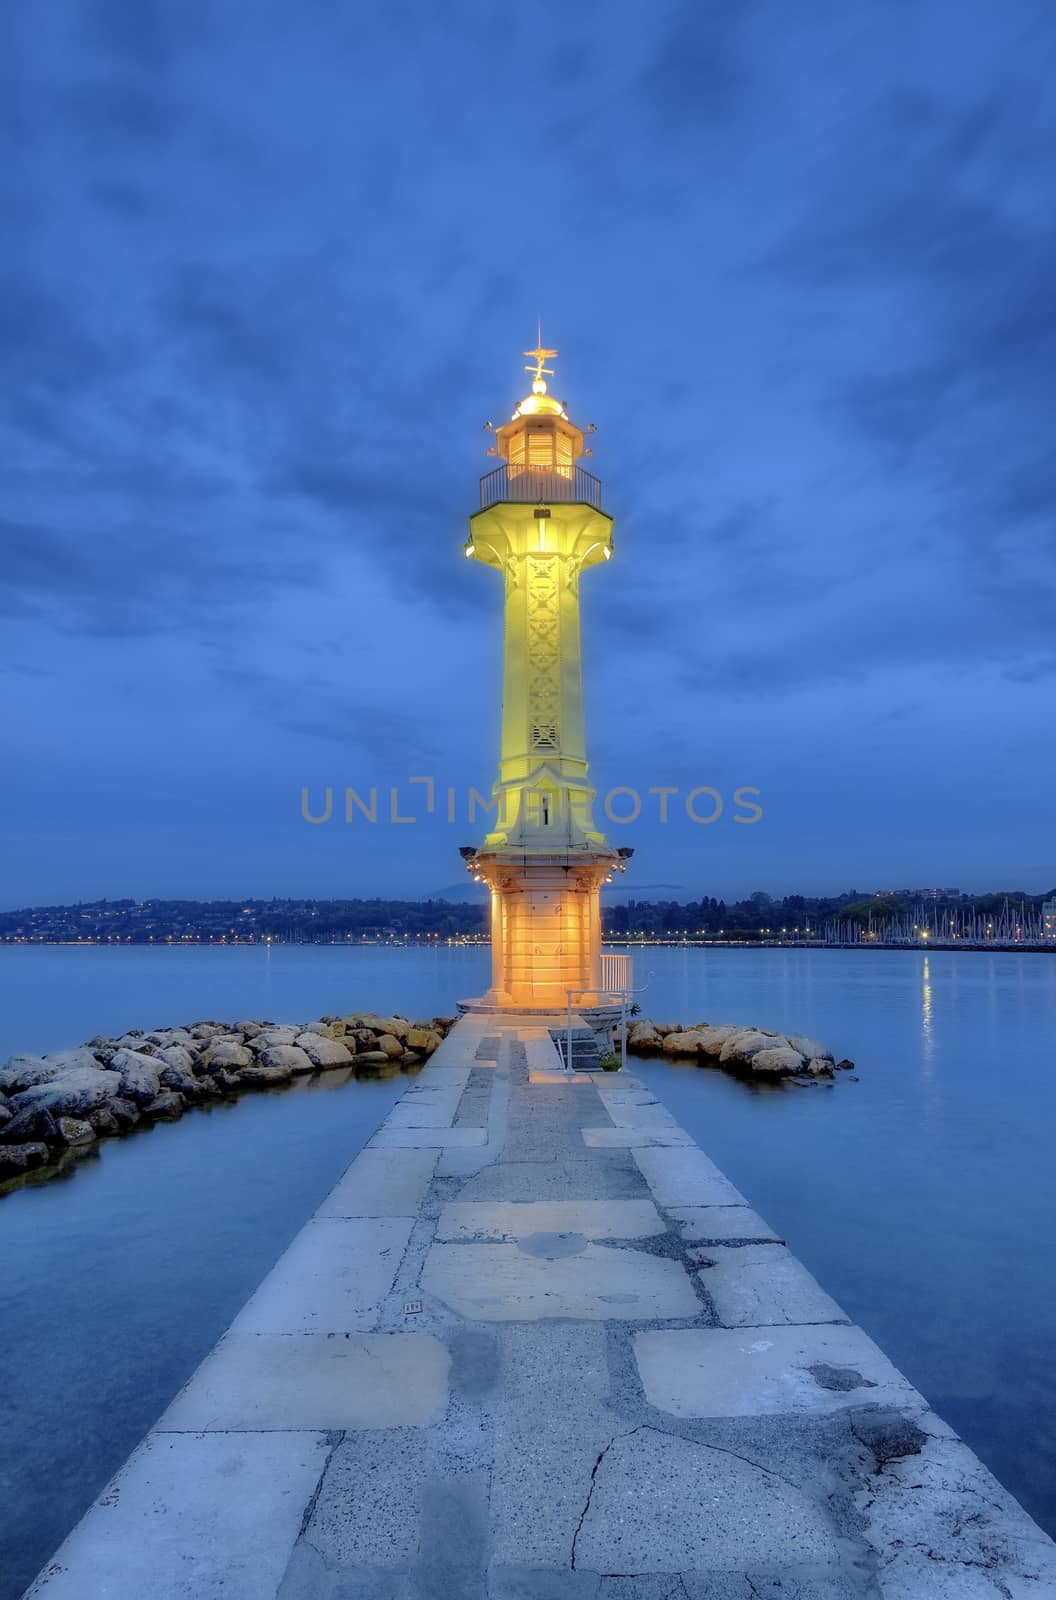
<point x="541" y="527"/>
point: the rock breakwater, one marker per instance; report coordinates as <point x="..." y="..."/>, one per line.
<point x="53" y="1104"/>
<point x="755" y="1052"/>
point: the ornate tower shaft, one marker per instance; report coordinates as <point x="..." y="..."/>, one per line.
<point x="541" y="526"/>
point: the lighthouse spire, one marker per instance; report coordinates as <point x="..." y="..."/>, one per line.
<point x="539" y="355"/>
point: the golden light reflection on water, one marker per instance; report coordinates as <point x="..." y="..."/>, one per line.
<point x="927" y="1038"/>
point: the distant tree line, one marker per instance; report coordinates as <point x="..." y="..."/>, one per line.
<point x="305" y="921"/>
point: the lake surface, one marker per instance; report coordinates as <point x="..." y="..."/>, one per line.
<point x="922" y="1196"/>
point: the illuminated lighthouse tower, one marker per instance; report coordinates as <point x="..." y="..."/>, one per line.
<point x="541" y="526"/>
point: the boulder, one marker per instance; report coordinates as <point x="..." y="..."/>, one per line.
<point x="685" y="1042"/>
<point x="276" y="1035"/>
<point x="5" y="1112"/>
<point x="21" y="1071"/>
<point x="323" y="1052"/>
<point x="135" y="1041"/>
<point x="15" y="1159"/>
<point x="328" y="1027"/>
<point x="124" y="1112"/>
<point x="184" y="1083"/>
<point x="72" y="1130"/>
<point x="425" y="1040"/>
<point x="443" y="1025"/>
<point x="664" y="1028"/>
<point x="642" y="1038"/>
<point x="25" y="1072"/>
<point x="139" y="1074"/>
<point x="262" y="1074"/>
<point x="361" y="1039"/>
<point x="371" y="1058"/>
<point x="390" y="1045"/>
<point x="845" y="1066"/>
<point x="248" y="1030"/>
<point x="166" y="1106"/>
<point x="176" y="1056"/>
<point x="779" y="1062"/>
<point x="73" y="1093"/>
<point x="229" y="1053"/>
<point x="810" y="1049"/>
<point x="747" y="1042"/>
<point x="820" y="1067"/>
<point x="287" y="1058"/>
<point x="399" y="1027"/>
<point x="32" y="1124"/>
<point x="103" y="1121"/>
<point x="164" y="1037"/>
<point x="713" y="1039"/>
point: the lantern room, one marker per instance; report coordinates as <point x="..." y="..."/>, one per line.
<point x="539" y="438"/>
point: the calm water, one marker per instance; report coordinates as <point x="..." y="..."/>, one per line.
<point x="921" y="1196"/>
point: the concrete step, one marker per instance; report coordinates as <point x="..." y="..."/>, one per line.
<point x="586" y="1057"/>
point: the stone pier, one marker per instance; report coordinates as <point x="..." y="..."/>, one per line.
<point x="533" y="1345"/>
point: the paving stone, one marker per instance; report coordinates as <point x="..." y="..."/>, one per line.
<point x="628" y="1112"/>
<point x="331" y="1279"/>
<point x="597" y="1219"/>
<point x="945" y="1529"/>
<point x="192" y="1517"/>
<point x="315" y="1381"/>
<point x="388" y="1138"/>
<point x="381" y="1183"/>
<point x="686" y="1178"/>
<point x="632" y="1138"/>
<point x="766" y="1586"/>
<point x="499" y="1282"/>
<point x="367" y="1511"/>
<point x="427" y="1111"/>
<point x="727" y="1372"/>
<point x="542" y="1475"/>
<point x="722" y="1222"/>
<point x="757" y="1285"/>
<point x="541" y="1583"/>
<point x="666" y="1504"/>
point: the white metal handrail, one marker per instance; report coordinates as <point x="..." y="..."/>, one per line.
<point x="617" y="974"/>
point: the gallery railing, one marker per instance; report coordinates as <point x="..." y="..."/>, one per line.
<point x="539" y="486"/>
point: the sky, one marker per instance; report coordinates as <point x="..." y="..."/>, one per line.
<point x="268" y="271"/>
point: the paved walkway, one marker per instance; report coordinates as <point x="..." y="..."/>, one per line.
<point x="534" y="1345"/>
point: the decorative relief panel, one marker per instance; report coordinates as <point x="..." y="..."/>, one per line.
<point x="544" y="650"/>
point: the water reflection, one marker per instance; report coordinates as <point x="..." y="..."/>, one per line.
<point x="926" y="1036"/>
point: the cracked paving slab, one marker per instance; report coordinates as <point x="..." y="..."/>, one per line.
<point x="503" y="1283"/>
<point x="507" y="1220"/>
<point x="660" y="1503"/>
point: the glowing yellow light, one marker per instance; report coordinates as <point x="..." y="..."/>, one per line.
<point x="470" y="547"/>
<point x="607" y="552"/>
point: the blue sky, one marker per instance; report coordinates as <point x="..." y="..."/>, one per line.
<point x="270" y="269"/>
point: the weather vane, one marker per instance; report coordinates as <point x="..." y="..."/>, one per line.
<point x="538" y="370"/>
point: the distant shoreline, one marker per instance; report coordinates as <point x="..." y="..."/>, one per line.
<point x="923" y="948"/>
